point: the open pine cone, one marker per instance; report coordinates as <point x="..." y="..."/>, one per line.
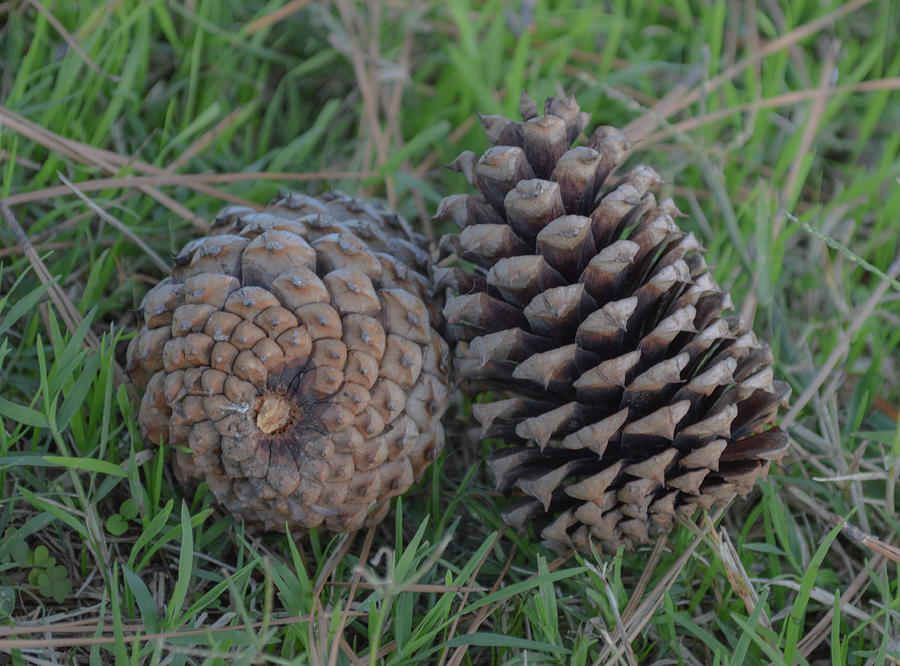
<point x="292" y="359"/>
<point x="593" y="321"/>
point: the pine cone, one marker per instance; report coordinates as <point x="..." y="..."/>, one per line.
<point x="292" y="359"/>
<point x="593" y="321"/>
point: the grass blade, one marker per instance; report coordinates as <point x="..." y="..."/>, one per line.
<point x="185" y="567"/>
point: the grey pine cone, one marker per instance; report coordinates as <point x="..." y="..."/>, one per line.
<point x="594" y="338"/>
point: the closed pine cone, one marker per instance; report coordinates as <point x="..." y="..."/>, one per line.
<point x="291" y="358"/>
<point x="595" y="324"/>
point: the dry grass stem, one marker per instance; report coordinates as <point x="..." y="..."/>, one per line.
<point x="275" y="16"/>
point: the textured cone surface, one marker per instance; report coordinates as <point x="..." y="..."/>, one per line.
<point x="292" y="359"/>
<point x="595" y="324"/>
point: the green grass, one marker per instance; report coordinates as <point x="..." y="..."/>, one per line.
<point x="787" y="166"/>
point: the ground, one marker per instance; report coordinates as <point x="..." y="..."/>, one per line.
<point x="124" y="127"/>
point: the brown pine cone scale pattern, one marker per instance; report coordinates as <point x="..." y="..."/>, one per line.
<point x="596" y="336"/>
<point x="292" y="361"/>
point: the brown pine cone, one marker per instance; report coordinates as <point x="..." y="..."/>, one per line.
<point x="292" y="360"/>
<point x="596" y="326"/>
